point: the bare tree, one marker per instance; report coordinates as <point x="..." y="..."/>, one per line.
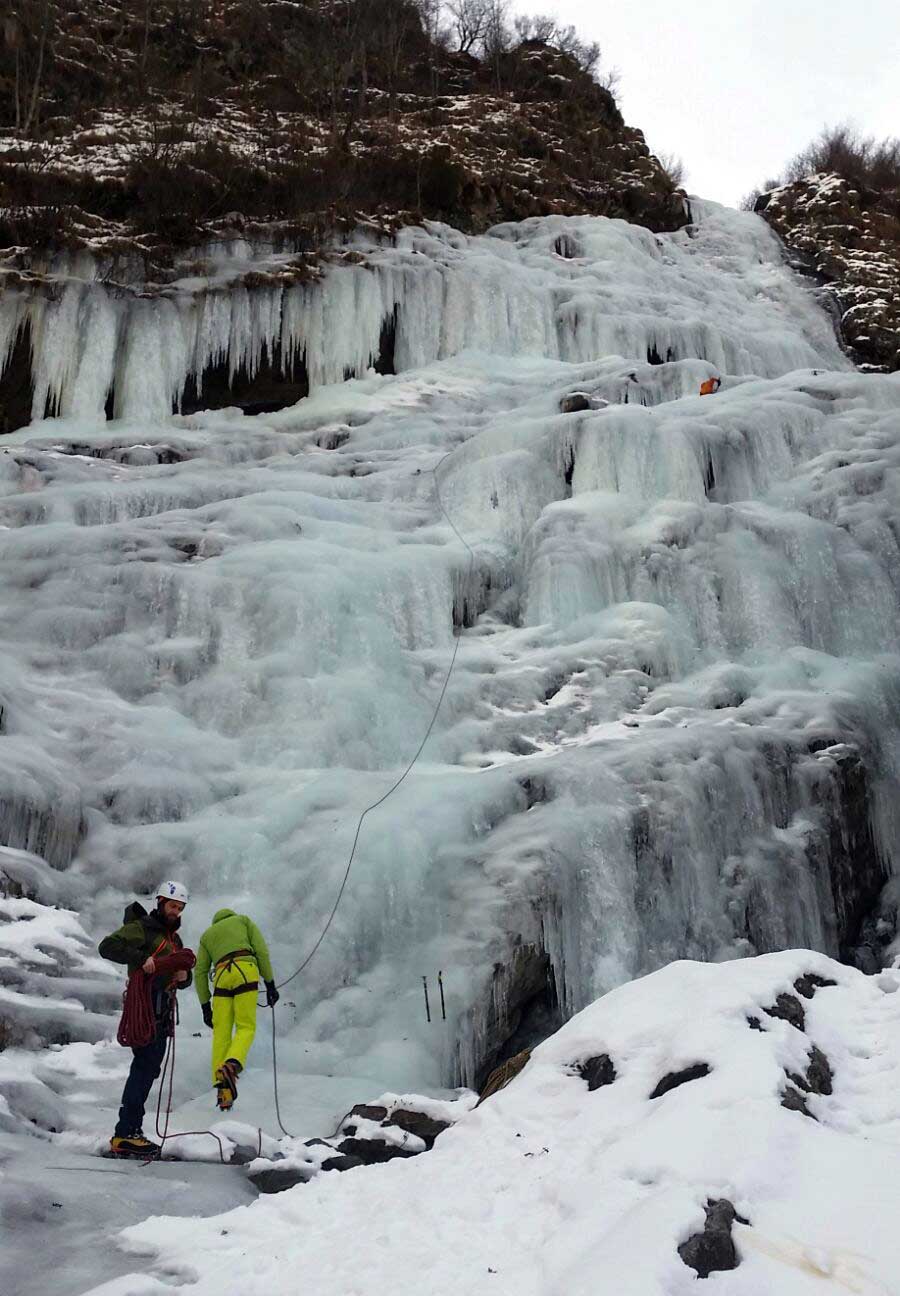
<point x="145" y="46"/>
<point x="535" y="27"/>
<point x="469" y="21"/>
<point x="431" y="15"/>
<point x="497" y="38"/>
<point x="860" y="159"/>
<point x="396" y="23"/>
<point x="674" y="167"/>
<point x="585" y="53"/>
<point x="29" y="29"/>
<point x="546" y="29"/>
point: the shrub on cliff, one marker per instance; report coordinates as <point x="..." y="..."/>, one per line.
<point x="861" y="160"/>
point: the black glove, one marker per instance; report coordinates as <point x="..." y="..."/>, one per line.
<point x="207" y="1015"/>
<point x="272" y="995"/>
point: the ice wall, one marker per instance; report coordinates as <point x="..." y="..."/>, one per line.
<point x="672" y="728"/>
<point x="133" y="350"/>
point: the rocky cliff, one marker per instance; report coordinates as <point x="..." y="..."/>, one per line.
<point x="848" y="237"/>
<point x="162" y="133"/>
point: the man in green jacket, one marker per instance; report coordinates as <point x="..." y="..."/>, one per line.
<point x="233" y="954"/>
<point x="149" y="943"/>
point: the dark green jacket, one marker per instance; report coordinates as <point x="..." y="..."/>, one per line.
<point x="229" y="932"/>
<point x="137" y="938"/>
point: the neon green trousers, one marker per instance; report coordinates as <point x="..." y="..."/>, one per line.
<point x="234" y="1014"/>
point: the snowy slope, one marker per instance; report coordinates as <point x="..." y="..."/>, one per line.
<point x="671" y="730"/>
<point x="550" y="1188"/>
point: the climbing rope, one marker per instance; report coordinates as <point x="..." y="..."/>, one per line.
<point x="375" y="804"/>
<point x="168" y="1067"/>
<point x="137" y="1025"/>
<point x="421" y="747"/>
<point x="142" y="1003"/>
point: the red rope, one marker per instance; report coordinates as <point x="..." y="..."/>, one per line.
<point x="137" y="1025"/>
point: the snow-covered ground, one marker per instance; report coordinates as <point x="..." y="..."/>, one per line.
<point x="671" y="730"/>
<point x="550" y="1187"/>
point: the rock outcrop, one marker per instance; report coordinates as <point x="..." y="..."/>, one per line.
<point x="848" y="238"/>
<point x="371" y="1133"/>
<point x="713" y="1250"/>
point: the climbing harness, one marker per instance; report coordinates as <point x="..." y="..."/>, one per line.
<point x="226" y="964"/>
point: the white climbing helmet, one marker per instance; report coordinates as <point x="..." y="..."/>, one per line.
<point x="172" y="891"/>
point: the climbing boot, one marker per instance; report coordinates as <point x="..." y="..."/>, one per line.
<point x="226" y="1083"/>
<point x="224" y="1092"/>
<point x="134" y="1145"/>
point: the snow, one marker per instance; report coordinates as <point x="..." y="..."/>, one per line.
<point x="548" y="1188"/>
<point x="671" y="730"/>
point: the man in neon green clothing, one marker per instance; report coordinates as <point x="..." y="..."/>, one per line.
<point x="233" y="953"/>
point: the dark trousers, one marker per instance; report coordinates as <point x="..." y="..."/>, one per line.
<point x="145" y="1067"/>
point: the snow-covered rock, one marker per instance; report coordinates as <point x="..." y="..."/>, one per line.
<point x="689" y="1162"/>
<point x="371" y="1133"/>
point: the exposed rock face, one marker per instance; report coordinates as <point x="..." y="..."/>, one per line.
<point x="817" y="1080"/>
<point x="856" y="868"/>
<point x="836" y="786"/>
<point x="713" y="1250"/>
<point x="574" y="403"/>
<point x="501" y="1076"/>
<point x="849" y="239"/>
<point x="675" y="1078"/>
<point x="521" y="1009"/>
<point x="818" y="1075"/>
<point x="597" y="1072"/>
<point x="273" y="387"/>
<point x="809" y="983"/>
<point x="789" y="1008"/>
<point x="453" y="137"/>
<point x="17" y="385"/>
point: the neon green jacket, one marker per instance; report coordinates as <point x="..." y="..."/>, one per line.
<point x="229" y="932"/>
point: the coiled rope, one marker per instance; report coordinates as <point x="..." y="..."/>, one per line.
<point x="137" y="1025"/>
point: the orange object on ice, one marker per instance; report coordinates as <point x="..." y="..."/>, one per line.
<point x="710" y="386"/>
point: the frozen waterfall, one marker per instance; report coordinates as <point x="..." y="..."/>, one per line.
<point x="672" y="729"/>
<point x="98" y="345"/>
